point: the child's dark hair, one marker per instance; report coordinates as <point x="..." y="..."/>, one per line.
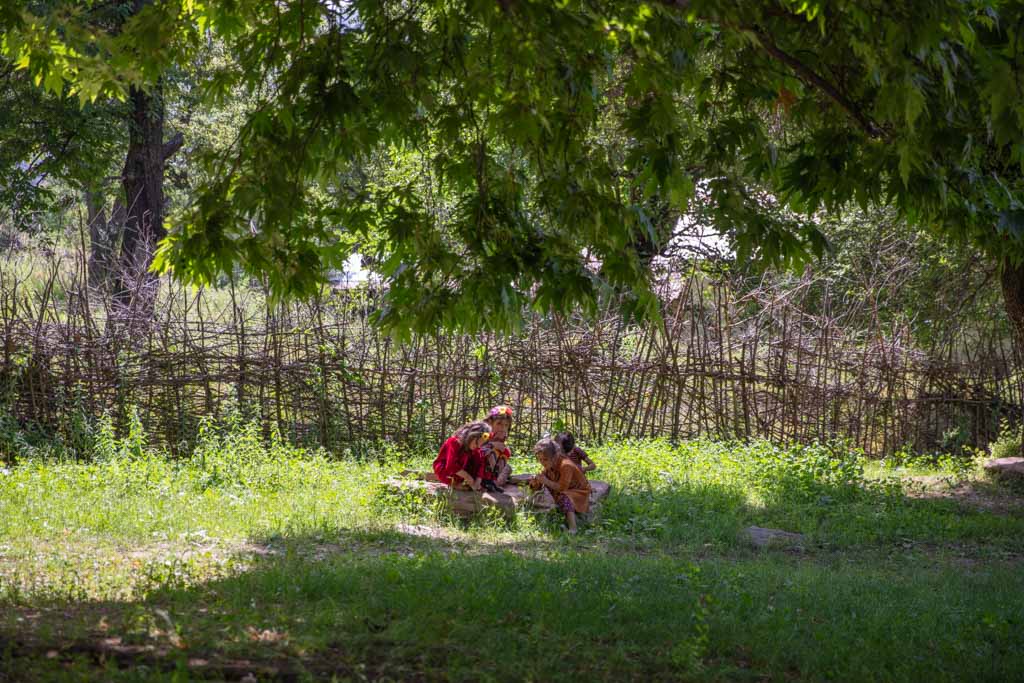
<point x="548" y="447"/>
<point x="567" y="441"/>
<point x="471" y="430"/>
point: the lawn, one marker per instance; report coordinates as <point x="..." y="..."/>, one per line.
<point x="253" y="560"/>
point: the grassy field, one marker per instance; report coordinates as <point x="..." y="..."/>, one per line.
<point x="264" y="560"/>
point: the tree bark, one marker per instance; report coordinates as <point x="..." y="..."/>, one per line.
<point x="143" y="178"/>
<point x="104" y="234"/>
<point x="1011" y="278"/>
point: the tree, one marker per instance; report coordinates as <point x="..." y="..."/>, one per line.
<point x="538" y="138"/>
<point x="90" y="132"/>
<point x="913" y="104"/>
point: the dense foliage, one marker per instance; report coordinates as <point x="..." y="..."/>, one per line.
<point x="494" y="154"/>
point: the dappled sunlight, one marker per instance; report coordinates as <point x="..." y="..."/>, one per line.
<point x="763" y="262"/>
<point x="291" y="611"/>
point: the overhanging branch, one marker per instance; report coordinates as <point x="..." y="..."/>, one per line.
<point x="811" y="78"/>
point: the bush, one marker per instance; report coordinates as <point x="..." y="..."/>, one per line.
<point x="1008" y="445"/>
<point x="234" y="453"/>
<point x="31" y="444"/>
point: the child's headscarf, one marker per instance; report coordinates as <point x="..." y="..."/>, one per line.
<point x="500" y="411"/>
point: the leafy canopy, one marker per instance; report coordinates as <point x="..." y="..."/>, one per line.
<point x="494" y="154"/>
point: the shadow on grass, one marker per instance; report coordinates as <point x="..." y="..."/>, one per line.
<point x="1001" y="498"/>
<point x="423" y="602"/>
<point x="426" y="613"/>
<point x="419" y="611"/>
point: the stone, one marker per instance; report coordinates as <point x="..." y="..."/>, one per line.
<point x="517" y="494"/>
<point x="593" y="516"/>
<point x="1006" y="468"/>
<point x="762" y="537"/>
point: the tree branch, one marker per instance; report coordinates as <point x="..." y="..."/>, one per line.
<point x="810" y="77"/>
<point x="171" y="147"/>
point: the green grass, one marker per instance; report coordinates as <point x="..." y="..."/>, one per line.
<point x="252" y="555"/>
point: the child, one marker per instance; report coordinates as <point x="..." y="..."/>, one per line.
<point x="458" y="461"/>
<point x="574" y="452"/>
<point x="563" y="479"/>
<point x="495" y="453"/>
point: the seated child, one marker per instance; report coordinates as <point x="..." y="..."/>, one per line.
<point x="574" y="452"/>
<point x="563" y="479"/>
<point x="495" y="453"/>
<point x="458" y="462"/>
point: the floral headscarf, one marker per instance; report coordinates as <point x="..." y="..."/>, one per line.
<point x="500" y="411"/>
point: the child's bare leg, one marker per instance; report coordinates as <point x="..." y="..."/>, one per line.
<point x="566" y="506"/>
<point x="570" y="521"/>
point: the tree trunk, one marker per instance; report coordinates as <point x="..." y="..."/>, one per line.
<point x="103" y="235"/>
<point x="144" y="201"/>
<point x="1011" y="277"/>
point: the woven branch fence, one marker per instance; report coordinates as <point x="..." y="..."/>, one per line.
<point x="730" y="362"/>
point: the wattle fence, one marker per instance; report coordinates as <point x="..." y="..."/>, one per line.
<point x="731" y="362"/>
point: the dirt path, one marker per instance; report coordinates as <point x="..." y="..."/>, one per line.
<point x="975" y="494"/>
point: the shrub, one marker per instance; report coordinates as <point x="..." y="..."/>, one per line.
<point x="1008" y="444"/>
<point x="233" y="452"/>
<point x="832" y="471"/>
<point x="26" y="444"/>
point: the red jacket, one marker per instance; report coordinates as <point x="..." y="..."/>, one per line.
<point x="453" y="457"/>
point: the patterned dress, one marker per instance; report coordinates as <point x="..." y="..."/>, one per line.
<point x="495" y="456"/>
<point x="577" y="455"/>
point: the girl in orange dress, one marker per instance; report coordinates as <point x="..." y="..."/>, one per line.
<point x="566" y="482"/>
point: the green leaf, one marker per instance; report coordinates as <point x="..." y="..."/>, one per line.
<point x="914" y="104"/>
<point x="1011" y="223"/>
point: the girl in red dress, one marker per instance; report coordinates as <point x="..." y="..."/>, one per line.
<point x="458" y="462"/>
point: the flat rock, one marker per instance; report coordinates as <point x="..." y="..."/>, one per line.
<point x="516" y="495"/>
<point x="762" y="537"/>
<point x="1006" y="468"/>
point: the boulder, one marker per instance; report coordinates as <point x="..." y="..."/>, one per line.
<point x="1006" y="468"/>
